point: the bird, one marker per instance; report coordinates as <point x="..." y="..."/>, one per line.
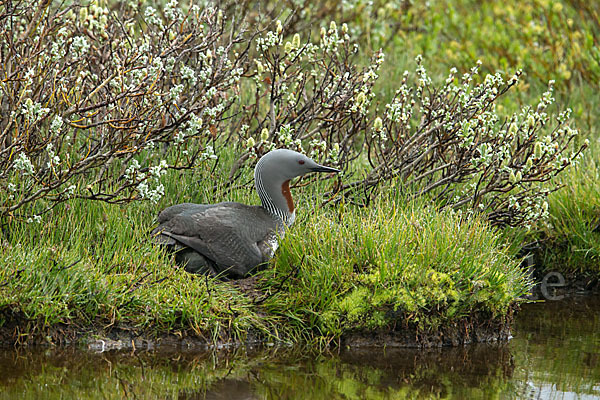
<point x="229" y="239"/>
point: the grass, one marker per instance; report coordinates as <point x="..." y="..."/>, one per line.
<point x="91" y="263"/>
<point x="339" y="270"/>
<point x="572" y="235"/>
<point x="394" y="263"/>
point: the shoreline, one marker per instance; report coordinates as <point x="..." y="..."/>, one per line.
<point x="18" y="331"/>
<point x="98" y="339"/>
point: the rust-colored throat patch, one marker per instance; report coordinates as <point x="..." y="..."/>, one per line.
<point x="285" y="191"/>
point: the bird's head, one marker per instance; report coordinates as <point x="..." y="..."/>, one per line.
<point x="283" y="164"/>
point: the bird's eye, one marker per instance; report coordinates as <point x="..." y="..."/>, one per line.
<point x="301" y="162"/>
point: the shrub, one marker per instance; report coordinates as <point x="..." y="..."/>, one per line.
<point x="448" y="141"/>
<point x="90" y="93"/>
<point x="96" y="98"/>
<point x="309" y="95"/>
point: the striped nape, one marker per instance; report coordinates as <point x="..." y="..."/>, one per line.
<point x="266" y="197"/>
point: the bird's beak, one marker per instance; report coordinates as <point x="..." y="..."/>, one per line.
<point x="322" y="168"/>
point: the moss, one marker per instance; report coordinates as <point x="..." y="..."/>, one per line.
<point x="373" y="270"/>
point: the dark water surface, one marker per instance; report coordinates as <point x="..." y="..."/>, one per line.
<point x="555" y="354"/>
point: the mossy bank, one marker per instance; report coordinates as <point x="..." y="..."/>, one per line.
<point x="341" y="272"/>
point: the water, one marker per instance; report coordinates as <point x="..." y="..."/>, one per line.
<point x="555" y="353"/>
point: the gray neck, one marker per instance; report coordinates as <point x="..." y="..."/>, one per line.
<point x="269" y="191"/>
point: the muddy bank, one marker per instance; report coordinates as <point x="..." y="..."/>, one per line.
<point x="476" y="329"/>
<point x="18" y="331"/>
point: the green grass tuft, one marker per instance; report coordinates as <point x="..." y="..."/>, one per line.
<point x="354" y="269"/>
<point x="573" y="232"/>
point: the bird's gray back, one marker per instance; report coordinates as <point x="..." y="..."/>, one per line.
<point x="228" y="234"/>
<point x="183" y="209"/>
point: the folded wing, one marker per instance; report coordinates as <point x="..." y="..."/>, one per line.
<point x="231" y="237"/>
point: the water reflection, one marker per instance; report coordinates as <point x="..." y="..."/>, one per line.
<point x="557" y="349"/>
<point x="555" y="354"/>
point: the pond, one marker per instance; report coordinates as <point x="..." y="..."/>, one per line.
<point x="555" y="353"/>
